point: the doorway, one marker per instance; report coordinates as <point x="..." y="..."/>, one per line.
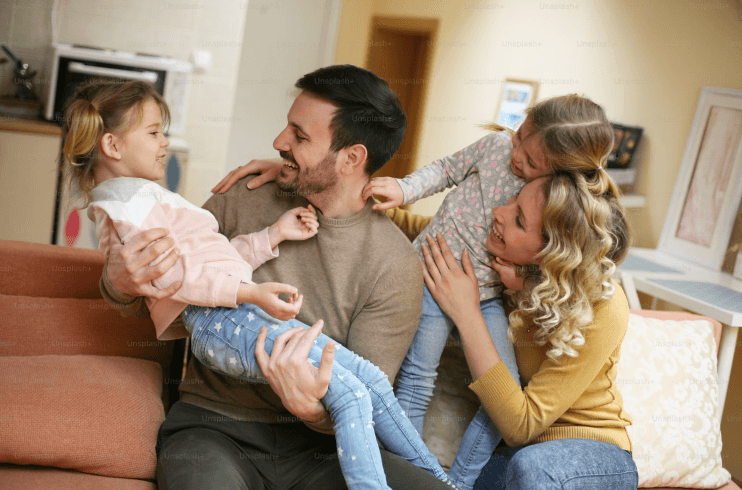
<point x="400" y="52"/>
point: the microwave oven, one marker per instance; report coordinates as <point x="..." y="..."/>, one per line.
<point x="70" y="65"/>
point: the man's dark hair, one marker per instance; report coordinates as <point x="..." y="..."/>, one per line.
<point x="368" y="111"/>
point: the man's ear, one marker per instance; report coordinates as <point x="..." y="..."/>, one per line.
<point x="356" y="157"/>
<point x="110" y="145"/>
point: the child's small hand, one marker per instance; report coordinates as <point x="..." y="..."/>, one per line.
<point x="296" y="224"/>
<point x="385" y="187"/>
<point x="266" y="297"/>
<point x="508" y="273"/>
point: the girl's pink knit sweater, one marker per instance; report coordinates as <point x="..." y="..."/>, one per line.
<point x="210" y="266"/>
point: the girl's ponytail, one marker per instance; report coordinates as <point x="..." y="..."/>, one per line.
<point x="601" y="184"/>
<point x="575" y="133"/>
<point x="84" y="130"/>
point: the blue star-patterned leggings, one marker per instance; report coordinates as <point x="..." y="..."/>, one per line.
<point x="359" y="398"/>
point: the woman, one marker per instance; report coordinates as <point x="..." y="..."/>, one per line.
<point x="566" y="427"/>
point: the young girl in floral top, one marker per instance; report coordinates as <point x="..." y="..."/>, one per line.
<point x="562" y="133"/>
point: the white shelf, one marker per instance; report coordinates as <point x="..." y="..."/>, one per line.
<point x="622" y="176"/>
<point x="633" y="200"/>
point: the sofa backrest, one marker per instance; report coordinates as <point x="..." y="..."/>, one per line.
<point x="50" y="304"/>
<point x="49" y="271"/>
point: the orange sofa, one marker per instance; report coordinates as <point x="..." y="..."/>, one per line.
<point x="86" y="389"/>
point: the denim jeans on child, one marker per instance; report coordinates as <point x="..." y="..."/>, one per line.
<point x="359" y="398"/>
<point x="417" y="381"/>
<point x="563" y="464"/>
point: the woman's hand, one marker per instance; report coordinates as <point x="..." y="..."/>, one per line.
<point x="457" y="293"/>
<point x="508" y="274"/>
<point x="455" y="290"/>
<point x="386" y="187"/>
<point x="268" y="170"/>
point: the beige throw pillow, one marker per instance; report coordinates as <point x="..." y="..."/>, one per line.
<point x="668" y="379"/>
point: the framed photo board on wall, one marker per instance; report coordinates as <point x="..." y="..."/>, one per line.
<point x="517" y="96"/>
<point x="708" y="188"/>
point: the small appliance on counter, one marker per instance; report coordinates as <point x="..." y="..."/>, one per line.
<point x="24" y="103"/>
<point x="73" y="64"/>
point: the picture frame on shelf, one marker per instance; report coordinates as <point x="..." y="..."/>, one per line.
<point x="626" y="140"/>
<point x="517" y="95"/>
<point x="708" y="188"/>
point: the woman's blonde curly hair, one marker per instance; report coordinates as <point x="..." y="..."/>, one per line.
<point x="585" y="235"/>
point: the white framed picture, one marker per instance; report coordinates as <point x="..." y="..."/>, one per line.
<point x="517" y="96"/>
<point x="708" y="188"/>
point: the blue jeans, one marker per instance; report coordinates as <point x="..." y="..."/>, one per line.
<point x="359" y="398"/>
<point x="417" y="381"/>
<point x="564" y="464"/>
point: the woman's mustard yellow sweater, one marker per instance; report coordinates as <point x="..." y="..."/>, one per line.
<point x="571" y="398"/>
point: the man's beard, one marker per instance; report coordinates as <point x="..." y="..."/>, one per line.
<point x="310" y="181"/>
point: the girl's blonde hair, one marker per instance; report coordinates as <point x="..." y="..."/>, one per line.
<point x="585" y="235"/>
<point x="576" y="137"/>
<point x="96" y="108"/>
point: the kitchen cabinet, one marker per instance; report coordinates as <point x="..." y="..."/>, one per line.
<point x="28" y="178"/>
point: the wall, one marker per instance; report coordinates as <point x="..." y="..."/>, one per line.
<point x="644" y="61"/>
<point x="264" y="87"/>
<point x="171" y="28"/>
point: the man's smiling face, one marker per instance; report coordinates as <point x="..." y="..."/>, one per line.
<point x="304" y="145"/>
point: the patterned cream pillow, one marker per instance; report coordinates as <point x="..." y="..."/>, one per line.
<point x="668" y="381"/>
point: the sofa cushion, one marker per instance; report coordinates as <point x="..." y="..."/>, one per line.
<point x="40" y="478"/>
<point x="34" y="326"/>
<point x="729" y="486"/>
<point x="668" y="380"/>
<point x="94" y="414"/>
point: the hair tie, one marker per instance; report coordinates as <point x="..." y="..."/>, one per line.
<point x="91" y="106"/>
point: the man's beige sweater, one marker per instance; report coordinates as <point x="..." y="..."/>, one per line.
<point x="360" y="275"/>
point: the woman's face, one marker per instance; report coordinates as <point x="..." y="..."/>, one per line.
<point x="516" y="231"/>
<point x="527" y="159"/>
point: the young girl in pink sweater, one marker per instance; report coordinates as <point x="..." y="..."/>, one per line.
<point x="113" y="150"/>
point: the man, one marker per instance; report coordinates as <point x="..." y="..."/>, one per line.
<point x="359" y="274"/>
